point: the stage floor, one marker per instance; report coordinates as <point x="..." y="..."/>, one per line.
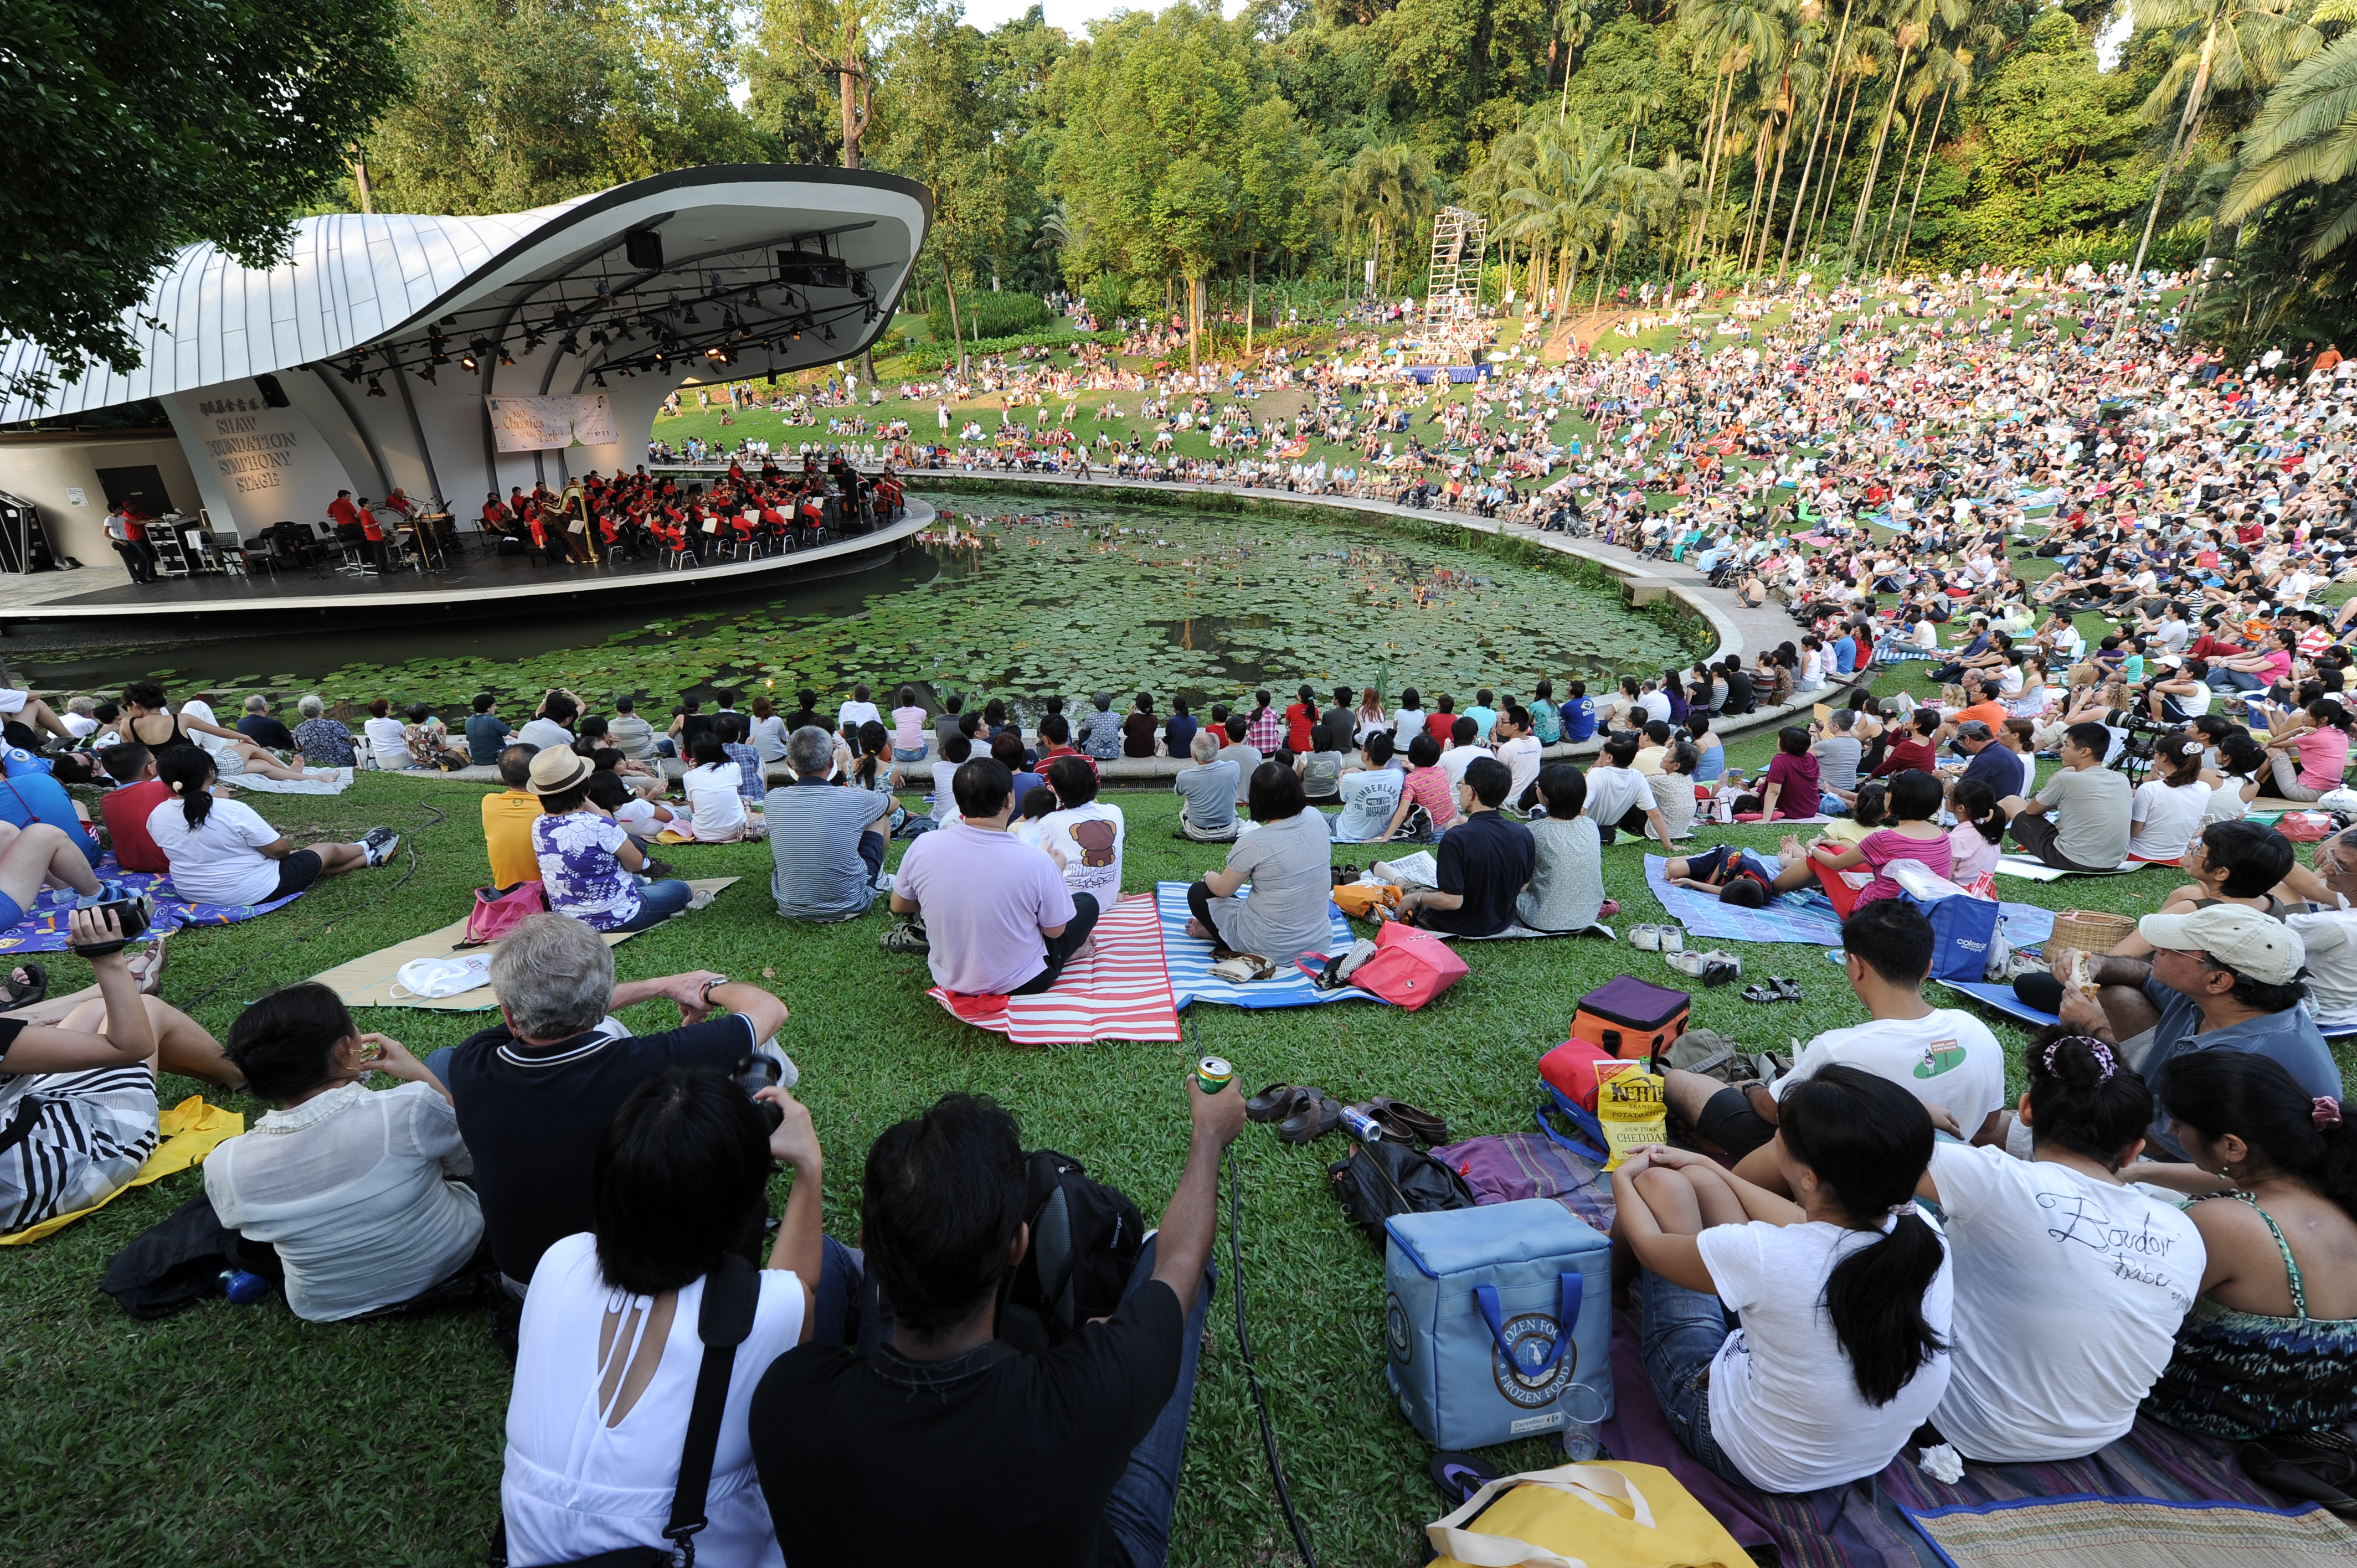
<point x="480" y="584"/>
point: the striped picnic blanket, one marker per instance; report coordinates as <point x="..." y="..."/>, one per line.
<point x="1119" y="991"/>
<point x="1190" y="963"/>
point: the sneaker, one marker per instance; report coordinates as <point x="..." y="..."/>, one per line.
<point x="657" y="869"/>
<point x="1712" y="968"/>
<point x="883" y="883"/>
<point x="1672" y="938"/>
<point x="1645" y="938"/>
<point x="378" y="844"/>
<point x="109" y="891"/>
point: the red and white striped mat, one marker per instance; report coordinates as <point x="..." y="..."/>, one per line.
<point x="1120" y="990"/>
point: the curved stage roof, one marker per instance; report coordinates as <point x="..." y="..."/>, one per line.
<point x="395" y="289"/>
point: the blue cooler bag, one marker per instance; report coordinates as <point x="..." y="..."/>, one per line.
<point x="1963" y="927"/>
<point x="1493" y="1311"/>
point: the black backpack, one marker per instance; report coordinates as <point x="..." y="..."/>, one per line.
<point x="1379" y="1180"/>
<point x="1085" y="1241"/>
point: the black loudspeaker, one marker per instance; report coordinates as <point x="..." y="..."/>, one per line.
<point x="273" y="394"/>
<point x="643" y="249"/>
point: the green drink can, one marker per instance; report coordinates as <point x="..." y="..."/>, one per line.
<point x="1213" y="1074"/>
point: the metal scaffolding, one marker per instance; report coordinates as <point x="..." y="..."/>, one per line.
<point x="1453" y="286"/>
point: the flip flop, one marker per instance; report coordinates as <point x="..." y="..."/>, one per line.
<point x="1459" y="1476"/>
<point x="1317" y="1116"/>
<point x="1785" y="988"/>
<point x="1404" y="1123"/>
<point x="1274" y="1103"/>
<point x="35" y="989"/>
<point x="1761" y="995"/>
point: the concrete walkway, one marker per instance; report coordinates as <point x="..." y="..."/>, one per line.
<point x="1739" y="628"/>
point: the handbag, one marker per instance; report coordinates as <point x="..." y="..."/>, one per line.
<point x="1409" y="967"/>
<point x="732" y="1293"/>
<point x="1571" y="1517"/>
<point x="499" y="910"/>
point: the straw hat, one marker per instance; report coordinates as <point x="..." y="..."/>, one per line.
<point x="558" y="769"/>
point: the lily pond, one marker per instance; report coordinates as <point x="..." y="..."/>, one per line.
<point x="1025" y="600"/>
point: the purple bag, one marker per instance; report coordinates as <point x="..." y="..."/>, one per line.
<point x="1509" y="1167"/>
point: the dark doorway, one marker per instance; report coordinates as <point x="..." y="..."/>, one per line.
<point x="141" y="487"/>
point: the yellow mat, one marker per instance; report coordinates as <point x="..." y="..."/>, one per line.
<point x="368" y="982"/>
<point x="190" y="1130"/>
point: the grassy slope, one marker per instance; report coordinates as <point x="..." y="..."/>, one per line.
<point x="338" y="1444"/>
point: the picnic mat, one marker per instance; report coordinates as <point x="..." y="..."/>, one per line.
<point x="317" y="781"/>
<point x="2038" y="871"/>
<point x="367" y="980"/>
<point x="190" y="1130"/>
<point x="1120" y="990"/>
<point x="43" y="928"/>
<point x="2001" y="999"/>
<point x="2134" y="1533"/>
<point x="1190" y="959"/>
<point x="1805" y="915"/>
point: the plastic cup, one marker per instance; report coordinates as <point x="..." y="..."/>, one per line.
<point x="1583" y="1409"/>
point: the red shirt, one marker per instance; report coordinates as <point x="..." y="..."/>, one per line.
<point x="126" y="811"/>
<point x="344" y="512"/>
<point x="1298" y="720"/>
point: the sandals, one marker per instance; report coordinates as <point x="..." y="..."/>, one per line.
<point x="1403" y="1123"/>
<point x="33" y="989"/>
<point x="906" y="937"/>
<point x="1316" y="1115"/>
<point x="1776" y="988"/>
<point x="1458" y="1476"/>
<point x="1276" y="1102"/>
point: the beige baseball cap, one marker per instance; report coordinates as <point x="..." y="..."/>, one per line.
<point x="2242" y="938"/>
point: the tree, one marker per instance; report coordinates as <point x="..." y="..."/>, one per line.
<point x="2306" y="134"/>
<point x="136" y="127"/>
<point x="522" y="103"/>
<point x="1387" y="188"/>
<point x="834" y="36"/>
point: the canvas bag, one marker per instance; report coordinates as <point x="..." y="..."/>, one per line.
<point x="1964" y="928"/>
<point x="1492" y="1311"/>
<point x="1572" y="1517"/>
<point x="1410" y="967"/>
<point x="499" y="910"/>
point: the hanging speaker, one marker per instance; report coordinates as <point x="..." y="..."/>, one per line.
<point x="643" y="249"/>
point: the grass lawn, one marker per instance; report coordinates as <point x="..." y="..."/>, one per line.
<point x="241" y="1434"/>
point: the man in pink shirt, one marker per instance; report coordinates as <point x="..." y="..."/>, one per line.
<point x="997" y="918"/>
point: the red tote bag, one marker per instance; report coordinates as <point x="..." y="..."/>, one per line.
<point x="1409" y="967"/>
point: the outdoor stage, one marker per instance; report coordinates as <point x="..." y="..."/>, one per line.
<point x="472" y="587"/>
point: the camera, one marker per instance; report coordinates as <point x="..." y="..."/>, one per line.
<point x="755" y="1073"/>
<point x="131" y="913"/>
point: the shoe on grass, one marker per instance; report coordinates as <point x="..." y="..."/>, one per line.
<point x="377" y="845"/>
<point x="1713" y="968"/>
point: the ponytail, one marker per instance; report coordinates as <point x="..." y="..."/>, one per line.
<point x="2081" y="1099"/>
<point x="186" y="769"/>
<point x="1975" y="803"/>
<point x="1869" y="1141"/>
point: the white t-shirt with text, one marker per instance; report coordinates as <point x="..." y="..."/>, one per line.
<point x="1946" y="1058"/>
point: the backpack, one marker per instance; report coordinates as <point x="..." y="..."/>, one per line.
<point x="1378" y="1180"/>
<point x="499" y="910"/>
<point x="1085" y="1241"/>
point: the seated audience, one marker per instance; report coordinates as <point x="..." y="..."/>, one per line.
<point x="2078" y="819"/>
<point x="2070" y="1282"/>
<point x="128" y="807"/>
<point x="589" y="862"/>
<point x="997" y="917"/>
<point x="630" y="735"/>
<point x="222" y="851"/>
<point x="1085" y="834"/>
<point x="487" y="732"/>
<point x="388" y="737"/>
<point x="535" y="1092"/>
<point x="1914" y="834"/>
<point x="1370" y="792"/>
<point x="149" y="722"/>
<point x="1842" y="1300"/>
<point x="508" y="817"/>
<point x="259" y="727"/>
<point x="1941" y="1055"/>
<point x="2308" y="750"/>
<point x="429" y="740"/>
<point x="2271" y="1343"/>
<point x="827" y="840"/>
<point x="1791" y="789"/>
<point x="2222" y="979"/>
<point x="609" y="1356"/>
<point x="713" y="785"/>
<point x="349" y="1193"/>
<point x="1288" y="858"/>
<point x="322" y="741"/>
<point x="1428" y="786"/>
<point x="1975" y="841"/>
<point x="1321" y="768"/>
<point x="552" y="726"/>
<point x="2169" y="808"/>
<point x="1485" y="861"/>
<point x="1565" y="892"/>
<point x="1209" y="790"/>
<point x="1619" y="798"/>
<point x="1104" y="1413"/>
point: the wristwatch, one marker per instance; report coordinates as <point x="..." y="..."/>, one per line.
<point x="706" y="997"/>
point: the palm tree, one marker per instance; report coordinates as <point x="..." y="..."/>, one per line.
<point x="1833" y="74"/>
<point x="2306" y="133"/>
<point x="1734" y="34"/>
<point x="1387" y="186"/>
<point x="1914" y="18"/>
<point x="1574" y="20"/>
<point x="1565" y="204"/>
<point x="2240" y="43"/>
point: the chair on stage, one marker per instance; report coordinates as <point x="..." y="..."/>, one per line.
<point x="359" y="554"/>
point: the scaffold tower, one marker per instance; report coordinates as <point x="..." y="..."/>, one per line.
<point x="1453" y="287"/>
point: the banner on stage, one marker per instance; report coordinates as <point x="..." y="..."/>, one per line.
<point x="537" y="424"/>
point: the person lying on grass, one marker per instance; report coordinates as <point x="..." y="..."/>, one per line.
<point x="1842" y="1291"/>
<point x="1940" y="1054"/>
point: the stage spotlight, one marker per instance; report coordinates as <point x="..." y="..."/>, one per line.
<point x="435" y="340"/>
<point x="691" y="319"/>
<point x="426" y="375"/>
<point x="376" y="388"/>
<point x="828" y="333"/>
<point x="505" y="358"/>
<point x="598" y="338"/>
<point x="601" y="380"/>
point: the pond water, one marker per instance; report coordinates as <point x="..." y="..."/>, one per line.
<point x="1015" y="599"/>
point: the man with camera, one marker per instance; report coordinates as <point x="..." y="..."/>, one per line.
<point x="2080" y="820"/>
<point x="1071" y="1456"/>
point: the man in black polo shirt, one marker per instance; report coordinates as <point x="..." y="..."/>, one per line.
<point x="1486" y="860"/>
<point x="533" y="1094"/>
<point x="1740" y="697"/>
<point x="1067" y="1459"/>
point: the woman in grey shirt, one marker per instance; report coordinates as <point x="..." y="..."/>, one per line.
<point x="1565" y="892"/>
<point x="1286" y="858"/>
